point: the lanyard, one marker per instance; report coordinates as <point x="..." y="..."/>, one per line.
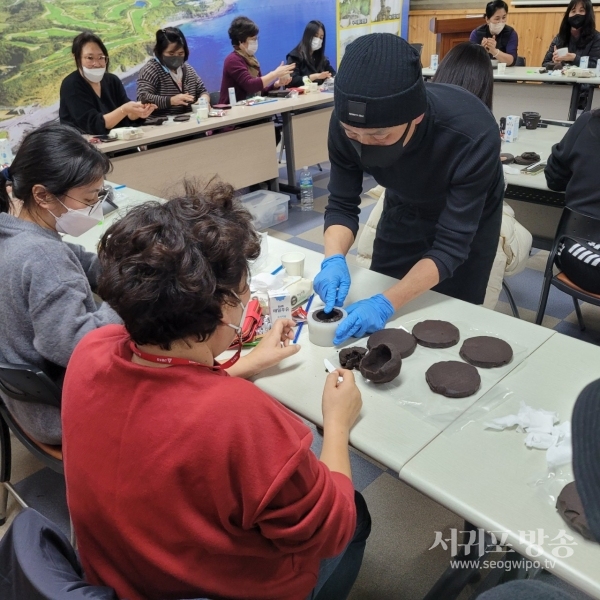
<point x="173" y="360"/>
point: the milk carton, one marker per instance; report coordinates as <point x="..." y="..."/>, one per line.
<point x="280" y="305"/>
<point x="511" y="133"/>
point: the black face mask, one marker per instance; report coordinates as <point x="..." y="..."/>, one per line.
<point x="173" y="62"/>
<point x="576" y="21"/>
<point x="381" y="156"/>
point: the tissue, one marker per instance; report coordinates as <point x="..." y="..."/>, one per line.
<point x="542" y="431"/>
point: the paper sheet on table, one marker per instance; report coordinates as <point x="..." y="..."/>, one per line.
<point x="410" y="389"/>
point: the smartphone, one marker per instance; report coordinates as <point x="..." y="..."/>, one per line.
<point x="103" y="138"/>
<point x="534" y="169"/>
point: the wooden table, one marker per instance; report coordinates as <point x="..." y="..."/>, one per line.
<point x="242" y="156"/>
<point x="551" y="101"/>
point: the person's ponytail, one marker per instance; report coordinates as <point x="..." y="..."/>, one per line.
<point x="4" y="197"/>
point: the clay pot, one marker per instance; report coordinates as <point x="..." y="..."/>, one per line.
<point x="381" y="364"/>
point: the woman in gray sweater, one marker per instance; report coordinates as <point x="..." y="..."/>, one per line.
<point x="46" y="299"/>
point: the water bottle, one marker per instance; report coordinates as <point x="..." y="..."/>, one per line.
<point x="306" y="190"/>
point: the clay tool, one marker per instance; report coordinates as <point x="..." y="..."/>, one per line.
<point x="331" y="369"/>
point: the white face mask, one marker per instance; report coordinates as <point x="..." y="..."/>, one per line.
<point x="94" y="75"/>
<point x="239" y="328"/>
<point x="77" y="222"/>
<point x="496" y="28"/>
<point x="252" y="48"/>
<point x="316" y="43"/>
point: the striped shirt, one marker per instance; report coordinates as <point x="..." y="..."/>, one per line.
<point x="156" y="85"/>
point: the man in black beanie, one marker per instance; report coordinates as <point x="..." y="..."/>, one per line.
<point x="436" y="150"/>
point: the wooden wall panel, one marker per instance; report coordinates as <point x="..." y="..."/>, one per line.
<point x="536" y="28"/>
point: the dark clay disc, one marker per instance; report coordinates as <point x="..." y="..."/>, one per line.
<point x="486" y="351"/>
<point x="453" y="379"/>
<point x="570" y="508"/>
<point x="323" y="317"/>
<point x="436" y="334"/>
<point x="381" y="364"/>
<point x="405" y="342"/>
<point x="350" y="357"/>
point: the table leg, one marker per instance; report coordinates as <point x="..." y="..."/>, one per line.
<point x="290" y="159"/>
<point x="590" y="98"/>
<point x="575" y="93"/>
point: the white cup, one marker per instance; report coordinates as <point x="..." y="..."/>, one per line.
<point x="501" y="68"/>
<point x="293" y="263"/>
<point x="562" y="51"/>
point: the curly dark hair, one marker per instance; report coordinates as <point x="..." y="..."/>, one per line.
<point x="168" y="268"/>
<point x="241" y="29"/>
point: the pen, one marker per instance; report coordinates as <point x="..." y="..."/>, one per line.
<point x="277" y="270"/>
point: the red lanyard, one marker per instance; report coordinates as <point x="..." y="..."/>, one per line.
<point x="173" y="360"/>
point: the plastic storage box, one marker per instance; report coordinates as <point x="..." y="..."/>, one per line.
<point x="267" y="208"/>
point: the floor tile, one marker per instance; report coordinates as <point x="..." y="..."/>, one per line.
<point x="591" y="316"/>
<point x="589" y="335"/>
<point x="306" y="244"/>
<point x="525" y="314"/>
<point x="300" y="221"/>
<point x="314" y="235"/>
<point x="538" y="260"/>
<point x="398" y="564"/>
<point x="526" y="288"/>
<point x="280" y="235"/>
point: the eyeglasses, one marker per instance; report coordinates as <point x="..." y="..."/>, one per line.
<point x="92" y="59"/>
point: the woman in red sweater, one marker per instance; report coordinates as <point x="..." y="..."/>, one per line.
<point x="184" y="479"/>
<point x="241" y="69"/>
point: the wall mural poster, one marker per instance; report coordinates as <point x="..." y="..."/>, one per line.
<point x="36" y="36"/>
<point x="360" y="17"/>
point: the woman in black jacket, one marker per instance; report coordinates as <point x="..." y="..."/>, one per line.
<point x="309" y="56"/>
<point x="578" y="34"/>
<point x="571" y="169"/>
<point x="92" y="99"/>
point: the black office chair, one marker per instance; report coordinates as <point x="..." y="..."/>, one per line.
<point x="214" y="98"/>
<point x="38" y="563"/>
<point x="575" y="225"/>
<point x="25" y="384"/>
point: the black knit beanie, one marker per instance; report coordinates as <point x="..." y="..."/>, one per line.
<point x="379" y="83"/>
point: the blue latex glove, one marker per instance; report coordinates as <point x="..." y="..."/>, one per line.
<point x="332" y="284"/>
<point x="364" y="316"/>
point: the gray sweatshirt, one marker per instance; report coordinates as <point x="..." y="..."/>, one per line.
<point x="46" y="307"/>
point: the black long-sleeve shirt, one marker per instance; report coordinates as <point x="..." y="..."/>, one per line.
<point x="450" y="170"/>
<point x="591" y="48"/>
<point x="306" y="67"/>
<point x="572" y="167"/>
<point x="81" y="107"/>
